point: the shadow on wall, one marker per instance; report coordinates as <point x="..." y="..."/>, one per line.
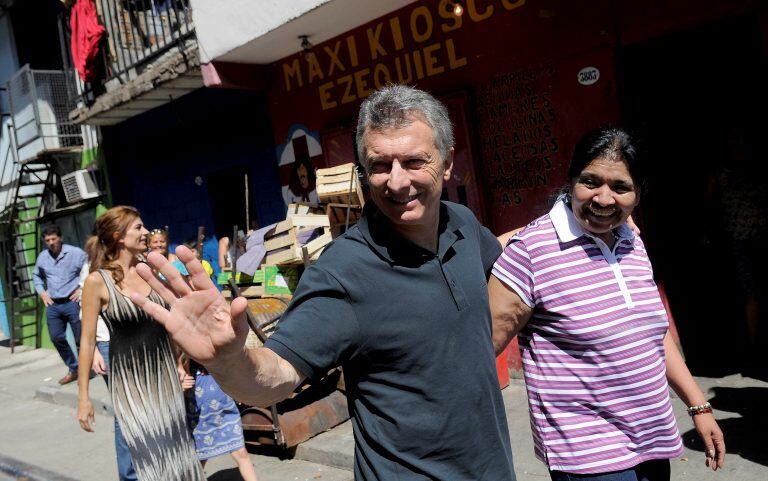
<point x="744" y="436"/>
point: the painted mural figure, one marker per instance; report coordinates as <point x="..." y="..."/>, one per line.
<point x="399" y="301"/>
<point x="577" y="286"/>
<point x="302" y="183"/>
<point x="296" y="161"/>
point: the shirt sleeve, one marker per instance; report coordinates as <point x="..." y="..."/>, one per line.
<point x="84" y="271"/>
<point x="319" y="331"/>
<point x="37" y="277"/>
<point x="515" y="270"/>
<point x="490" y="249"/>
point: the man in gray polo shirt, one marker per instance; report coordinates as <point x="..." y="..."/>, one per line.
<point x="399" y="301"/>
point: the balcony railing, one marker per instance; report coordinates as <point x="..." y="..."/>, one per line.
<point x="40" y="102"/>
<point x="138" y="34"/>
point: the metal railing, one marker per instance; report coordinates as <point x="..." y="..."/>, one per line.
<point x="138" y="32"/>
<point x="40" y="102"/>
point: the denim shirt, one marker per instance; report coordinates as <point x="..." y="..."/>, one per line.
<point x="60" y="276"/>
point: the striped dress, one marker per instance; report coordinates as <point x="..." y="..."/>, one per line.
<point x="593" y="353"/>
<point x="146" y="392"/>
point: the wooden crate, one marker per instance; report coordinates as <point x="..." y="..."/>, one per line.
<point x="283" y="246"/>
<point x="337" y="214"/>
<point x="340" y="185"/>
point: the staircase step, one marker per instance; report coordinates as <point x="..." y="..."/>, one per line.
<point x="22" y="326"/>
<point x="23" y="266"/>
<point x="25" y="296"/>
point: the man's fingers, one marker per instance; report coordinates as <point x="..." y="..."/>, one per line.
<point x="237" y="311"/>
<point x="197" y="275"/>
<point x="158" y="312"/>
<point x="156" y="284"/>
<point x="175" y="279"/>
<point x="172" y="275"/>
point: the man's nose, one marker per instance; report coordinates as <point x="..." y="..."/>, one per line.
<point x="398" y="177"/>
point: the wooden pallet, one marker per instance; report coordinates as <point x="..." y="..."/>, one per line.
<point x="283" y="246"/>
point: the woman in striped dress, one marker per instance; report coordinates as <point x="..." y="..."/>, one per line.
<point x="577" y="286"/>
<point x="144" y="383"/>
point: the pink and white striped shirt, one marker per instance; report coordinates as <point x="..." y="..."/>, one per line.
<point x="593" y="353"/>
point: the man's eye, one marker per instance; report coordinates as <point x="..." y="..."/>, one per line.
<point x="379" y="167"/>
<point x="589" y="183"/>
<point x="415" y="163"/>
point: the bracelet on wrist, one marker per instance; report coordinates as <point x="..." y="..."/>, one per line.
<point x="699" y="409"/>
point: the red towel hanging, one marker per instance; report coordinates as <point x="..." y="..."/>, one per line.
<point x="86" y="35"/>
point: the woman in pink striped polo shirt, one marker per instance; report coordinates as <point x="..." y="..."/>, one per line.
<point x="577" y="286"/>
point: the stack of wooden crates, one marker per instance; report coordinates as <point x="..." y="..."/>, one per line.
<point x="296" y="241"/>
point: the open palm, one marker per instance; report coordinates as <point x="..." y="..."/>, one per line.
<point x="198" y="319"/>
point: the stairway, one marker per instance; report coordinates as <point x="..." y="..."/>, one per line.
<point x="24" y="308"/>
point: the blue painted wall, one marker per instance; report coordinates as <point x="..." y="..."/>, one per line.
<point x="154" y="158"/>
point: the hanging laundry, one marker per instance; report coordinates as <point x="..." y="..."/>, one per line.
<point x="86" y="35"/>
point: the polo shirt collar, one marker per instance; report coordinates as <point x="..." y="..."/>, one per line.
<point x="378" y="233"/>
<point x="568" y="228"/>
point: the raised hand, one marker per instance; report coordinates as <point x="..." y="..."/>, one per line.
<point x="199" y="319"/>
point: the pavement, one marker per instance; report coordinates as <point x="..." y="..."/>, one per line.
<point x="41" y="441"/>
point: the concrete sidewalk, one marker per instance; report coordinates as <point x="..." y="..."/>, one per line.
<point x="38" y="429"/>
<point x="41" y="441"/>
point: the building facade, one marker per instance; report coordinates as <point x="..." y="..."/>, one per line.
<point x="523" y="80"/>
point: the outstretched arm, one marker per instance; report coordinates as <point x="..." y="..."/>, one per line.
<point x="685" y="386"/>
<point x="212" y="332"/>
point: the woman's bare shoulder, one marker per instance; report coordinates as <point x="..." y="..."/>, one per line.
<point x="94" y="281"/>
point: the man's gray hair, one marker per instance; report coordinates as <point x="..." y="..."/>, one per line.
<point x="397" y="106"/>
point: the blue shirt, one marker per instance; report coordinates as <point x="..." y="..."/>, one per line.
<point x="60" y="276"/>
<point x="412" y="330"/>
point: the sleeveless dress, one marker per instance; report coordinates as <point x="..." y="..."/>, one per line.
<point x="146" y="391"/>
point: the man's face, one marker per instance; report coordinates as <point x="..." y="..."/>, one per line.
<point x="406" y="175"/>
<point x="53" y="243"/>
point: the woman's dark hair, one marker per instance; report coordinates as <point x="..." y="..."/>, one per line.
<point x="609" y="142"/>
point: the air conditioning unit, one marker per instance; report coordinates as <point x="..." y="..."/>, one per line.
<point x="80" y="185"/>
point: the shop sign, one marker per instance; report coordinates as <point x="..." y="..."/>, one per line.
<point x="403" y="48"/>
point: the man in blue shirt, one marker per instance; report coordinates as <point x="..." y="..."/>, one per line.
<point x="57" y="281"/>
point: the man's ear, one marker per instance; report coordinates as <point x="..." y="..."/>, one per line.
<point x="448" y="165"/>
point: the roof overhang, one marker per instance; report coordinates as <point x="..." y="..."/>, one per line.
<point x="248" y="32"/>
<point x="176" y="75"/>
